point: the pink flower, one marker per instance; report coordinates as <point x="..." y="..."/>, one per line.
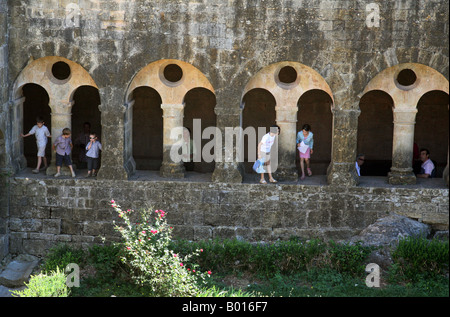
<point x="209" y="272"/>
<point x="181" y="264"/>
<point x="175" y="255"/>
<point x="112" y="201"/>
<point x="201" y="250"/>
<point x="143" y="232"/>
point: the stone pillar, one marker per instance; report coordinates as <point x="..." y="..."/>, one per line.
<point x="402" y="149"/>
<point x="61" y="119"/>
<point x="18" y="159"/>
<point x="172" y="119"/>
<point x="130" y="164"/>
<point x="342" y="171"/>
<point x="112" y="154"/>
<point x="286" y="117"/>
<point x="445" y="173"/>
<point x="227" y="169"/>
<point x="113" y="143"/>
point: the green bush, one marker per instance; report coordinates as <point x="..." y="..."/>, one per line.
<point x="348" y="258"/>
<point x="418" y="256"/>
<point x="60" y="256"/>
<point x="52" y="284"/>
<point x="153" y="264"/>
<point x="282" y="257"/>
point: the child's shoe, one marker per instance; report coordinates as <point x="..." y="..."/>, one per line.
<point x="73" y="174"/>
<point x="35" y="171"/>
<point x="57" y="174"/>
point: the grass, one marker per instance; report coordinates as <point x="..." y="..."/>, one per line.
<point x="284" y="269"/>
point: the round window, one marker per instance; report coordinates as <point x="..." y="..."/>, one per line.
<point x="406" y="77"/>
<point x="61" y="70"/>
<point x="173" y="73"/>
<point x="287" y="75"/>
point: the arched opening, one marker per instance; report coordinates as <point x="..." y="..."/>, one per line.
<point x="375" y="133"/>
<point x="199" y="104"/>
<point x="147" y="128"/>
<point x="36" y="104"/>
<point x="314" y="108"/>
<point x="86" y="119"/>
<point x="431" y="130"/>
<point x="259" y="113"/>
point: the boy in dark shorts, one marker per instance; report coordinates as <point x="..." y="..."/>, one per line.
<point x="63" y="146"/>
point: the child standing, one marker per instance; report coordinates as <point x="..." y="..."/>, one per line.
<point x="305" y="143"/>
<point x="93" y="150"/>
<point x="63" y="146"/>
<point x="264" y="155"/>
<point x="41" y="133"/>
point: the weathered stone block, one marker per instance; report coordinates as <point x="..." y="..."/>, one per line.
<point x="51" y="226"/>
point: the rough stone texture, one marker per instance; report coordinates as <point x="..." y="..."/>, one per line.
<point x="229" y="42"/>
<point x="18" y="271"/>
<point x="47" y="211"/>
<point x="387" y="231"/>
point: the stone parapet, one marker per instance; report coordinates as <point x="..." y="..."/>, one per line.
<point x="79" y="212"/>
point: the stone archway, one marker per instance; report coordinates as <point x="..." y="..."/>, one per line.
<point x="406" y="84"/>
<point x="287" y="82"/>
<point x="172" y="80"/>
<point x="60" y="78"/>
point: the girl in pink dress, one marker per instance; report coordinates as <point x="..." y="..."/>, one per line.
<point x="305" y="143"/>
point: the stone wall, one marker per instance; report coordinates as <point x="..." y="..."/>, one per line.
<point x="4" y="120"/>
<point x="347" y="43"/>
<point x="45" y="212"/>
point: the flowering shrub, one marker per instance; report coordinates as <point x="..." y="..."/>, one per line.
<point x="146" y="250"/>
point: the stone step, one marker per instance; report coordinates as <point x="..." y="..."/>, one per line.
<point x="7" y="292"/>
<point x="17" y="272"/>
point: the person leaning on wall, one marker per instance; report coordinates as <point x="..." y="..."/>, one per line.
<point x="427" y="169"/>
<point x="359" y="161"/>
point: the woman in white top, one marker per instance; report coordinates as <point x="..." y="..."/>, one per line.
<point x="264" y="148"/>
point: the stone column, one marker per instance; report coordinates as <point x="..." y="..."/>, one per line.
<point x="18" y="159"/>
<point x="446" y="172"/>
<point x="130" y="164"/>
<point x="113" y="143"/>
<point x="286" y="117"/>
<point x="61" y="119"/>
<point x="227" y="169"/>
<point x="172" y="119"/>
<point x="342" y="171"/>
<point x="402" y="148"/>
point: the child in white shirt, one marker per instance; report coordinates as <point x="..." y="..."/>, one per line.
<point x="41" y="133"/>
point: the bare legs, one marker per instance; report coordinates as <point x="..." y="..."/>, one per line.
<point x="302" y="166"/>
